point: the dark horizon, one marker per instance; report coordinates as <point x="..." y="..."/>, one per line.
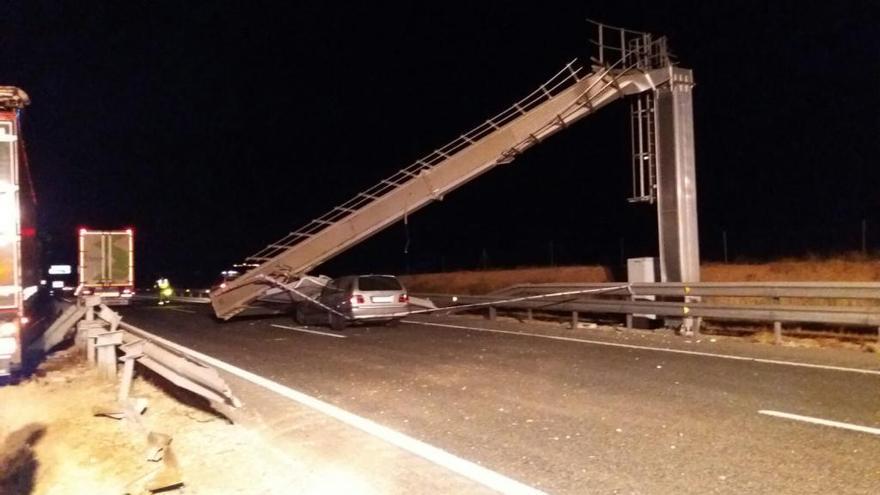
<point x="214" y="130"/>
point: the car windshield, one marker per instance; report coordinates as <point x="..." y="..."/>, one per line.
<point x="376" y="282"/>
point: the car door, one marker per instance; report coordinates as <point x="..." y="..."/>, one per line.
<point x="333" y="294"/>
<point x="315" y="312"/>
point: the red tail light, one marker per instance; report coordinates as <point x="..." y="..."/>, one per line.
<point x="403" y="298"/>
<point x="357" y="299"/>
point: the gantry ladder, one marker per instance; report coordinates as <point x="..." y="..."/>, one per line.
<point x="567" y="97"/>
<point x="643" y="139"/>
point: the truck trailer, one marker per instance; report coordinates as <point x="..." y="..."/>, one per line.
<point x="106" y="265"/>
<point x="19" y="257"/>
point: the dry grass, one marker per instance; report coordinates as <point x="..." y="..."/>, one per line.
<point x="481" y="282"/>
<point x="766" y="336"/>
<point x="827" y="270"/>
<point x="52" y="444"/>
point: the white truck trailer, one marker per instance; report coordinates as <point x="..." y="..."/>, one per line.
<point x="106" y="265"/>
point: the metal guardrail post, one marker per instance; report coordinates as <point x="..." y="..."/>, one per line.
<point x="127" y="378"/>
<point x="493" y="313"/>
<point x="777" y="332"/>
<point x="105" y="345"/>
<point x="90" y="331"/>
<point x="133" y="351"/>
<point x="574" y="320"/>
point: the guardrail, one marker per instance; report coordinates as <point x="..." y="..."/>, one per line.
<point x="102" y="333"/>
<point x="823" y="290"/>
<point x="176" y="363"/>
<point x="680" y="300"/>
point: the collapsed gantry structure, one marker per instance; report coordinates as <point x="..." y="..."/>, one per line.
<point x="626" y="64"/>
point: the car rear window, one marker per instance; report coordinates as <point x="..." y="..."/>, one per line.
<point x="378" y="283"/>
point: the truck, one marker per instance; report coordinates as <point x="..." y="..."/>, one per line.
<point x="106" y="265"/>
<point x="19" y="250"/>
<point x="60" y="279"/>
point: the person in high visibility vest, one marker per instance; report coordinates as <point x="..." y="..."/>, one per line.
<point x="165" y="291"/>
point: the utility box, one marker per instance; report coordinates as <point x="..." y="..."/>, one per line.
<point x="643" y="271"/>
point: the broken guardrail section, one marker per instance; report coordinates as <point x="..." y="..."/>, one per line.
<point x="102" y="333"/>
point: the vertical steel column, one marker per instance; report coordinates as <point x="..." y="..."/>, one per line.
<point x="677" y="185"/>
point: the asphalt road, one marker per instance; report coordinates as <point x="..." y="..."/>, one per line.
<point x="569" y="416"/>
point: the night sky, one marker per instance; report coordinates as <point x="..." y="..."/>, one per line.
<point x="214" y="128"/>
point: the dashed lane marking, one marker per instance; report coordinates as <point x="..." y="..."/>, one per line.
<point x="306" y="330"/>
<point x="171" y="308"/>
<point x="181" y="310"/>
<point x="820" y="421"/>
<point x="657" y="349"/>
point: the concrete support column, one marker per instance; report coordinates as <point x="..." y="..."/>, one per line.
<point x="677" y="179"/>
<point x="677" y="185"/>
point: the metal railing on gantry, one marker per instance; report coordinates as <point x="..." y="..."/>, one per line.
<point x="567" y="97"/>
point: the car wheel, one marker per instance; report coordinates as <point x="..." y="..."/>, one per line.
<point x="392" y="323"/>
<point x="300" y="316"/>
<point x="337" y="322"/>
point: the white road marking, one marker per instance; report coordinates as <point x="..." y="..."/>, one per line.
<point x="171" y="308"/>
<point x="475" y="472"/>
<point x="180" y="310"/>
<point x="658" y="349"/>
<point x="823" y="422"/>
<point x="300" y="329"/>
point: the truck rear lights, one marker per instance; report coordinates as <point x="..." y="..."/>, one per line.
<point x="8" y="329"/>
<point x="8" y="345"/>
<point x="403" y="298"/>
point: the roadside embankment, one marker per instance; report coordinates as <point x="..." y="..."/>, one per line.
<point x="483" y="281"/>
<point x="53" y="443"/>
